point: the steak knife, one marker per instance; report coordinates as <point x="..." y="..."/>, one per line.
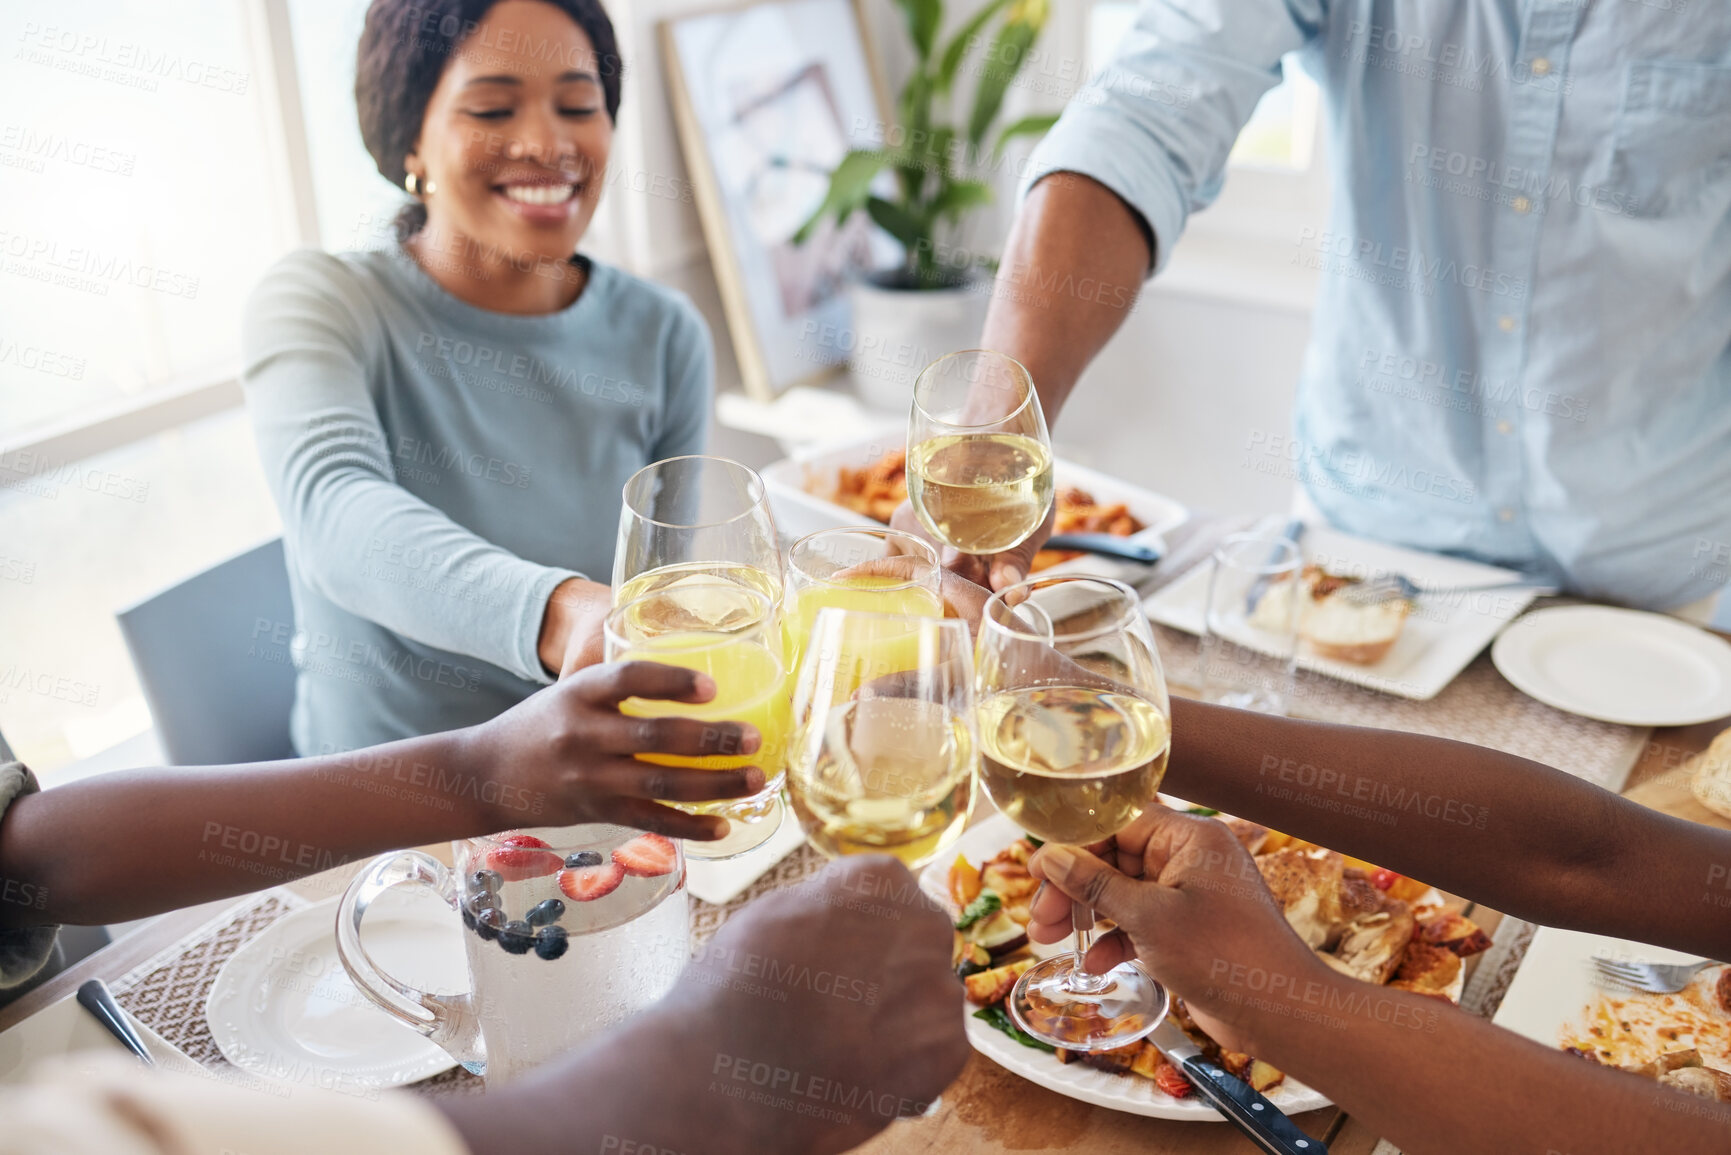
<point x="1243" y="1105"/>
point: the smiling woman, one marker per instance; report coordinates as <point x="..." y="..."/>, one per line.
<point x="447" y="423"/>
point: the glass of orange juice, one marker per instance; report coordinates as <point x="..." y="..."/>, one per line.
<point x="733" y="634"/>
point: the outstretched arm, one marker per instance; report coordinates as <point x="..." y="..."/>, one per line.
<point x="1522" y="837"/>
<point x="1188" y="901"/>
<point x="135" y="843"/>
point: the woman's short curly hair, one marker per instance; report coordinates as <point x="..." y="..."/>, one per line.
<point x="403" y="51"/>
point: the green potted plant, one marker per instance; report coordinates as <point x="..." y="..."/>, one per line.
<point x="931" y="304"/>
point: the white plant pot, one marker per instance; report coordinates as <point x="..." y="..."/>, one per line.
<point x="898" y="332"/>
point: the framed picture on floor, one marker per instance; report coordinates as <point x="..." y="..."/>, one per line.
<point x="768" y="98"/>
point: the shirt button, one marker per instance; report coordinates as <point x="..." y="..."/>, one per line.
<point x="1505" y="515"/>
<point x="1541" y="66"/>
<point x="1520" y="204"/>
<point x="1505" y="428"/>
<point x="1506" y="323"/>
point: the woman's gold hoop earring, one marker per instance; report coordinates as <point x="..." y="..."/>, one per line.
<point x="416" y="187"/>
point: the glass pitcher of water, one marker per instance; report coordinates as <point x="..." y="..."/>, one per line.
<point x="570" y="932"/>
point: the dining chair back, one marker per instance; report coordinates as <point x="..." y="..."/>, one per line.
<point x="212" y="655"/>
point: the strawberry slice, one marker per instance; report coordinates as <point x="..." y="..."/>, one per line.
<point x="588" y="883"/>
<point x="1171" y="1080"/>
<point x="647" y="856"/>
<point x="520" y="857"/>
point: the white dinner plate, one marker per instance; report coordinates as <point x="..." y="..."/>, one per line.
<point x="799" y="489"/>
<point x="283" y="1008"/>
<point x="1623" y="666"/>
<point x="1130" y="1093"/>
<point x="1553" y="990"/>
<point x="65" y="1028"/>
<point x="1440" y="637"/>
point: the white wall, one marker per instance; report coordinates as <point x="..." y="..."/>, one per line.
<point x="1173" y="399"/>
<point x="1209" y="356"/>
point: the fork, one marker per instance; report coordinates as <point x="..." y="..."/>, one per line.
<point x="1659" y="978"/>
<point x="1399" y="587"/>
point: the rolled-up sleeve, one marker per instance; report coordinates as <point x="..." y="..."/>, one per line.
<point x="23" y="950"/>
<point x="1158" y="122"/>
<point x="116" y="1107"/>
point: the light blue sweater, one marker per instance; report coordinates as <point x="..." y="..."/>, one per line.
<point x="440" y="468"/>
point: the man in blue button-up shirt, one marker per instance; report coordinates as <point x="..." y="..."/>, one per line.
<point x="1519" y="350"/>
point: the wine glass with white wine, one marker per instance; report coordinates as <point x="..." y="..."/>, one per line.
<point x="733" y="634"/>
<point x="979" y="462"/>
<point x="1075" y="726"/>
<point x="883" y="754"/>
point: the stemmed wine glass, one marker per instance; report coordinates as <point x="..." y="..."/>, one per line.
<point x="857" y="568"/>
<point x="698" y="518"/>
<point x="979" y="462"/>
<point x="1074" y="733"/>
<point x="733" y="634"/>
<point x="883" y="755"/>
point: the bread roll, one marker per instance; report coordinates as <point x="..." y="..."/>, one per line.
<point x="1711" y="781"/>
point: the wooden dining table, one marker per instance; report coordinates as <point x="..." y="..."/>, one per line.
<point x="988" y="1110"/>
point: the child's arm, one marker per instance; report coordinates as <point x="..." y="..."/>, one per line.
<point x="1515" y="834"/>
<point x="131" y="844"/>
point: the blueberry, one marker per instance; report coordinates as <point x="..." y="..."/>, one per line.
<point x="517" y="937"/>
<point x="486" y="881"/>
<point x="468" y="919"/>
<point x="487" y="923"/>
<point x="543" y="913"/>
<point x="584" y="858"/>
<point x="552" y="942"/>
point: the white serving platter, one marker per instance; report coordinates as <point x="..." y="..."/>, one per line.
<point x="800" y="490"/>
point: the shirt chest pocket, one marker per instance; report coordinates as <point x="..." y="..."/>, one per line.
<point x="1671" y="150"/>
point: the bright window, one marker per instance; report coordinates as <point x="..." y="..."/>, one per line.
<point x="140" y="201"/>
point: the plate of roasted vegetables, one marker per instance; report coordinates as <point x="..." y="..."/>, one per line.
<point x="1373" y="924"/>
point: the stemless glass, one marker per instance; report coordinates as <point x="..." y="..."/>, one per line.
<point x="1074" y="733"/>
<point x="734" y="635"/>
<point x="878" y="570"/>
<point x="695" y="517"/>
<point x="883" y="754"/>
<point x="979" y="457"/>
